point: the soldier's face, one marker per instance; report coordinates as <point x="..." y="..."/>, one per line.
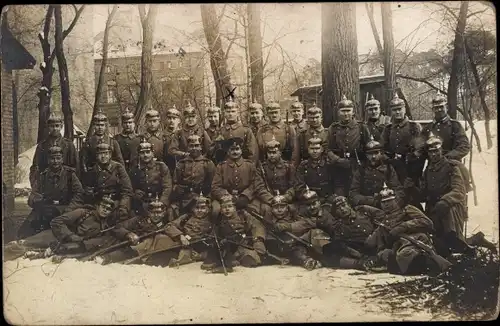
<point x="213" y="119"/>
<point x="100" y="128"/>
<point x="235" y="152"/>
<point x="346" y="114"/>
<point x="103" y="210"/>
<point x="54" y="129"/>
<point x="256" y="116"/>
<point x="279" y="210"/>
<point x="172" y="122"/>
<point x="128" y="126"/>
<point x="153" y="124"/>
<point x="194" y="150"/>
<point x="56" y="161"/>
<point x="231" y="114"/>
<point x="103" y="157"/>
<point x="191" y="120"/>
<point x="314" y="207"/>
<point x="373" y="112"/>
<point x="146" y="156"/>
<point x="314" y="120"/>
<point x="201" y="210"/>
<point x="440" y="111"/>
<point x="274" y="116"/>
<point x="273" y="154"/>
<point x="297" y="114"/>
<point x="315" y="151"/>
<point x="227" y="209"/>
<point x="389" y="205"/>
<point x="344" y="210"/>
<point x="156" y="215"/>
<point x="398" y="113"/>
<point x="434" y="155"/>
<point x="374" y="158"/>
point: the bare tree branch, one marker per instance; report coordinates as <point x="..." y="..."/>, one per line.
<point x="421" y="80"/>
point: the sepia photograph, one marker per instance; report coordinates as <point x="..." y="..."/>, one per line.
<point x="232" y="163"/>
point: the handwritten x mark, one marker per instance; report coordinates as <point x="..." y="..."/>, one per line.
<point x="231" y="93"/>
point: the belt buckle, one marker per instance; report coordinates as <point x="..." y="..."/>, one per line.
<point x="55" y="202"/>
<point x="347" y="155"/>
<point x="398" y="156"/>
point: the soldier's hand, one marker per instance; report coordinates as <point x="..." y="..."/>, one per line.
<point x="242" y="202"/>
<point x="122" y="211"/>
<point x="283" y="226"/>
<point x="139" y="194"/>
<point x="184" y="240"/>
<point x="259" y="247"/>
<point x="133" y="238"/>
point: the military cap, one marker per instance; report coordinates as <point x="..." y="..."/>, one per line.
<point x="194" y="140"/>
<point x="100" y="117"/>
<point x="439" y="100"/>
<point x="273" y="106"/>
<point x="54" y="118"/>
<point x="55" y="150"/>
<point x="372" y="103"/>
<point x="296" y="106"/>
<point x="213" y="109"/>
<point x="278" y="200"/>
<point x="386" y="193"/>
<point x="433" y="143"/>
<point x="339" y="201"/>
<point x="152" y="114"/>
<point x="103" y="147"/>
<point x="156" y="205"/>
<point x="309" y="195"/>
<point x="189" y="110"/>
<point x="230" y="104"/>
<point x="314" y="141"/>
<point x="107" y="201"/>
<point x="396" y="102"/>
<point x="202" y="199"/>
<point x="173" y="112"/>
<point x="233" y="142"/>
<point x="314" y="110"/>
<point x="145" y="146"/>
<point x="373" y="145"/>
<point x="127" y="115"/>
<point x="226" y="199"/>
<point x="255" y="106"/>
<point x="273" y="143"/>
<point x="345" y="103"/>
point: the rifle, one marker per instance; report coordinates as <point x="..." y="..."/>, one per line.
<point x="282" y="261"/>
<point x="220" y="251"/>
<point x="357" y="157"/>
<point x="291" y="235"/>
<point x="442" y="262"/>
<point x="287" y="150"/>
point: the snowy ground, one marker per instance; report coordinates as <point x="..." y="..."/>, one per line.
<point x="39" y="292"/>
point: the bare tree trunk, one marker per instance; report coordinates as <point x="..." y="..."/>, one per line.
<point x="457" y="60"/>
<point x="482" y="96"/>
<point x="255" y="52"/>
<point x="148" y="23"/>
<point x="369" y="10"/>
<point x="339" y="53"/>
<point x="247" y="65"/>
<point x="389" y="73"/>
<point x="217" y="55"/>
<point x="63" y="75"/>
<point x="104" y="62"/>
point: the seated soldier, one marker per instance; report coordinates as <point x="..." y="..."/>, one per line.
<point x="239" y="177"/>
<point x="238" y="231"/>
<point x="56" y="190"/>
<point x="150" y="178"/>
<point x="108" y="177"/>
<point x="369" y="178"/>
<point x="349" y="230"/>
<point x="397" y="254"/>
<point x="192" y="175"/>
<point x="73" y="232"/>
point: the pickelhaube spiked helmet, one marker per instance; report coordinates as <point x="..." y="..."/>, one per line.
<point x="103" y="147"/>
<point x="100" y="117"/>
<point x="144" y="145"/>
<point x="194" y="140"/>
<point x="373" y="145"/>
<point x="55" y="149"/>
<point x="310" y="195"/>
<point x="278" y="199"/>
<point x="227" y="198"/>
<point x="202" y="199"/>
<point x="254" y="106"/>
<point x="127" y="115"/>
<point x="54" y="118"/>
<point x="439" y="100"/>
<point x="273" y="143"/>
<point x="156" y="205"/>
<point x="273" y="106"/>
<point x="339" y="200"/>
<point x="433" y="142"/>
<point x="345" y="103"/>
<point x="152" y="114"/>
<point x="396" y="102"/>
<point x="372" y="103"/>
<point x="386" y="193"/>
<point x="230" y="104"/>
<point x="213" y="109"/>
<point x="297" y="106"/>
<point x="106" y="200"/>
<point x="314" y="141"/>
<point x="314" y="110"/>
<point x="189" y="110"/>
<point x="173" y="112"/>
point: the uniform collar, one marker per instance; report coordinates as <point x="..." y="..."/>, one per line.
<point x="279" y="125"/>
<point x="52" y="140"/>
<point x="315" y="130"/>
<point x="278" y="164"/>
<point x="351" y="124"/>
<point x="150" y="164"/>
<point x="438" y="165"/>
<point x="109" y="167"/>
<point x="232" y="126"/>
<point x="52" y="174"/>
<point x="320" y="162"/>
<point x="193" y="129"/>
<point x="446" y="119"/>
<point x="237" y="162"/>
<point x="157" y="134"/>
<point x="402" y="123"/>
<point x="130" y="135"/>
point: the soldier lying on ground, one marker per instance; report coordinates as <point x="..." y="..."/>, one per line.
<point x="349" y="229"/>
<point x="77" y="231"/>
<point x="55" y="191"/>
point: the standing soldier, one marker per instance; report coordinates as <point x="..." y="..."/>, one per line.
<point x="214" y="120"/>
<point x="239" y="177"/>
<point x="149" y="179"/>
<point x="41" y="158"/>
<point x="193" y="175"/>
<point x="234" y="128"/>
<point x="179" y="145"/>
<point x="128" y="140"/>
<point x="108" y="178"/>
<point x="298" y="122"/>
<point x="88" y="152"/>
<point x="257" y="120"/>
<point x="402" y="144"/>
<point x="455" y="142"/>
<point x="314" y="129"/>
<point x="346" y="140"/>
<point x="55" y="191"/>
<point x="376" y="121"/>
<point x="278" y="174"/>
<point x="282" y="132"/>
<point x="154" y="135"/>
<point x="172" y="125"/>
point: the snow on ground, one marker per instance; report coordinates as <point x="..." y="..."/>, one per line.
<point x="40" y="293"/>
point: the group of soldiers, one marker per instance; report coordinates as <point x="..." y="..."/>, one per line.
<point x="270" y="191"/>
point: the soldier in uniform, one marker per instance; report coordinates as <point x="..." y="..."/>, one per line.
<point x="128" y="140"/>
<point x="455" y="142"/>
<point x="234" y="128"/>
<point x="376" y="121"/>
<point x="154" y="135"/>
<point x="89" y="149"/>
<point x="41" y="158"/>
<point x="346" y="141"/>
<point x="399" y="255"/>
<point x="55" y="191"/>
<point x="279" y="175"/>
<point x="299" y="123"/>
<point x="193" y="174"/>
<point x="76" y="231"/>
<point x="281" y="132"/>
<point x="313" y="173"/>
<point x="402" y="144"/>
<point x="108" y="178"/>
<point x="149" y="179"/>
<point x="214" y="120"/>
<point x="369" y="178"/>
<point x="172" y="125"/>
<point x="179" y="145"/>
<point x="257" y="120"/>
<point x="239" y="177"/>
<point x="314" y="129"/>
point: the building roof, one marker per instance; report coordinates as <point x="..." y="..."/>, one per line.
<point x="137" y="52"/>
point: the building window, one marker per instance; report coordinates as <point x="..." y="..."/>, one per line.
<point x="108" y="69"/>
<point x="169" y="64"/>
<point x="180" y="64"/>
<point x="111" y="93"/>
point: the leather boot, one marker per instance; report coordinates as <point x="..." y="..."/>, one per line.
<point x="183" y="258"/>
<point x="479" y="240"/>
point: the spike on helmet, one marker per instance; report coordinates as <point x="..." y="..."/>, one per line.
<point x="273" y="106"/>
<point x="152" y="114"/>
<point x="345" y="103"/>
<point x="227" y="198"/>
<point x="100" y="116"/>
<point x="372" y="103"/>
<point x="106" y="200"/>
<point x="310" y="195"/>
<point x="373" y="145"/>
<point x="278" y="199"/>
<point x="202" y="199"/>
<point x="156" y="205"/>
<point x="396" y="102"/>
<point x="103" y="147"/>
<point x="173" y="112"/>
<point x="297" y="106"/>
<point x="213" y="109"/>
<point x="255" y="105"/>
<point x="273" y="143"/>
<point x="127" y="115"/>
<point x="433" y="142"/>
<point x="54" y="118"/>
<point x="386" y="193"/>
<point x="439" y="100"/>
<point x="144" y="145"/>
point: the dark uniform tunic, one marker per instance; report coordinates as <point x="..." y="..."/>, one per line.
<point x="256" y="127"/>
<point x="279" y="176"/>
<point x="180" y="142"/>
<point x="376" y="127"/>
<point x="455" y="145"/>
<point x="212" y="132"/>
<point x="309" y="133"/>
<point x="250" y="148"/>
<point x="129" y="145"/>
<point x="168" y="157"/>
<point x="285" y="135"/>
<point x="300" y="126"/>
<point x="88" y="152"/>
<point x="157" y="140"/>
